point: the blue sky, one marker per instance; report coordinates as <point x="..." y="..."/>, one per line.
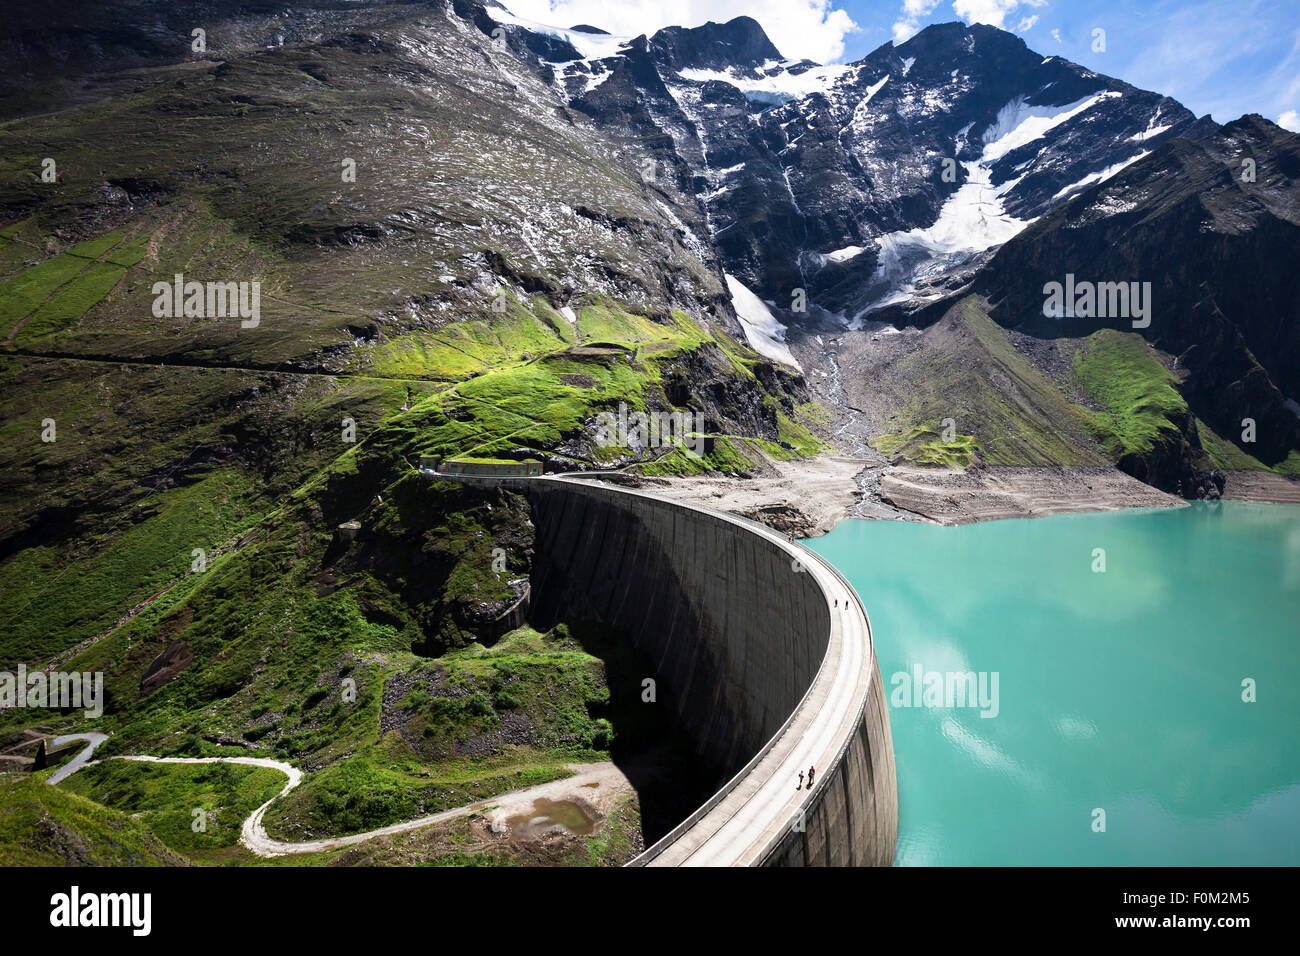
<point x="1221" y="58"/>
<point x="1215" y="57"/>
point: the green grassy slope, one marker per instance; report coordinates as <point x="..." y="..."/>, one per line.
<point x="1142" y="410"/>
<point x="1000" y="405"/>
<point x="1113" y="401"/>
<point x="192" y="808"/>
<point x="42" y="825"/>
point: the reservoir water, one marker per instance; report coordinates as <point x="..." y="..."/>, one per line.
<point x="1116" y="731"/>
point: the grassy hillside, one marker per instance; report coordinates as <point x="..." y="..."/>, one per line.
<point x="1142" y="414"/>
<point x="480" y="721"/>
<point x="1001" y="406"/>
<point x="165" y="798"/>
<point x="1104" y="398"/>
<point x="416" y="302"/>
<point x="42" y="825"/>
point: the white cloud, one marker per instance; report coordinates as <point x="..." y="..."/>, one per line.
<point x="1027" y="23"/>
<point x="1290" y="120"/>
<point x="994" y="12"/>
<point x="1056" y="35"/>
<point x="909" y="18"/>
<point x="798" y="28"/>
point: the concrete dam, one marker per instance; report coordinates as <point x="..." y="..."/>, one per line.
<point x="763" y="652"/>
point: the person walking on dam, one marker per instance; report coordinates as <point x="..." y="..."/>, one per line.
<point x="811" y="771"/>
<point x="800" y="787"/>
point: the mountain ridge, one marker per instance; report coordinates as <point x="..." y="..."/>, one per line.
<point x="890" y="187"/>
<point x="475" y="238"/>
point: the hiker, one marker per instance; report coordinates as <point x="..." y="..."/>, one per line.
<point x="837" y="602"/>
<point x="800" y="787"/>
<point x="811" y="771"/>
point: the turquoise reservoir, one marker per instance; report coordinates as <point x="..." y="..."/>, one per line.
<point x="1117" y="690"/>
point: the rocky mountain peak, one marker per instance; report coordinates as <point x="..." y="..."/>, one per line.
<point x="738" y="43"/>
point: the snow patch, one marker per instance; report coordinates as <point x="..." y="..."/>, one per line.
<point x="845" y="254"/>
<point x="777" y="86"/>
<point x="1149" y="132"/>
<point x="1018" y="123"/>
<point x="872" y="90"/>
<point x="592" y="46"/>
<point x="765" y="334"/>
<point x="1099" y="177"/>
<point x="973" y="218"/>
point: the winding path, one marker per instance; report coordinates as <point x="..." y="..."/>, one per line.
<point x="93" y="741"/>
<point x="253" y="833"/>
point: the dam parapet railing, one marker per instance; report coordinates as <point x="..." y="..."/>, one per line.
<point x="763" y="650"/>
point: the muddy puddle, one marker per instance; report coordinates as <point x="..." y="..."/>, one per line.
<point x="549" y="814"/>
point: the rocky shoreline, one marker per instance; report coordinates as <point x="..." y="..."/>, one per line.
<point x="808" y="498"/>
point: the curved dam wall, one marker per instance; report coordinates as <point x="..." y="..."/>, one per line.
<point x="761" y="669"/>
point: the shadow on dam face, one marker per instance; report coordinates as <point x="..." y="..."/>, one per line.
<point x="649" y="744"/>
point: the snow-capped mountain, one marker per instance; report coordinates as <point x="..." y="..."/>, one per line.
<point x="1212" y="221"/>
<point x="866" y="185"/>
<point x="833" y="196"/>
<point x="700" y="172"/>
